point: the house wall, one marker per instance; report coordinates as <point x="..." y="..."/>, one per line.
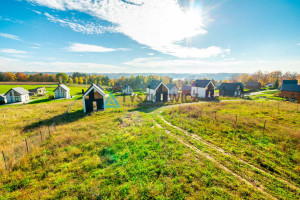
<point x="128" y="91"/>
<point x="289" y="94"/>
<point x="230" y="93"/>
<point x="173" y="91"/>
<point x="62" y="93"/>
<point x="198" y="92"/>
<point x="16" y="98"/>
<point x="151" y="94"/>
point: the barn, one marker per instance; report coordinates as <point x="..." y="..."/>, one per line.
<point x="290" y="89"/>
<point x="93" y="99"/>
<point x="157" y="91"/>
<point x="186" y="89"/>
<point x="253" y="85"/>
<point x="173" y="89"/>
<point x="17" y="94"/>
<point x="62" y="91"/>
<point x="127" y="90"/>
<point x="203" y="89"/>
<point x="230" y="89"/>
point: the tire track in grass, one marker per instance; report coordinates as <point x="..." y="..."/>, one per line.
<point x="198" y="138"/>
<point x="199" y="152"/>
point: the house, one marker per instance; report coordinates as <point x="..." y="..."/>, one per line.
<point x="157" y="91"/>
<point x="186" y="90"/>
<point x="173" y="89"/>
<point x="127" y="90"/>
<point x="2" y="99"/>
<point x="38" y="91"/>
<point x="269" y="85"/>
<point x="218" y="85"/>
<point x="100" y="87"/>
<point x="17" y="94"/>
<point x="230" y="89"/>
<point x="117" y="87"/>
<point x="93" y="99"/>
<point x="62" y="91"/>
<point x="290" y="89"/>
<point x="253" y="85"/>
<point x="203" y="89"/>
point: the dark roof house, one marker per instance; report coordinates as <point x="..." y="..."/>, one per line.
<point x="253" y="85"/>
<point x="230" y="89"/>
<point x="201" y="83"/>
<point x="290" y="89"/>
<point x="186" y="89"/>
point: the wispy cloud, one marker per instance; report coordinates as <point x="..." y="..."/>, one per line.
<point x="161" y="25"/>
<point x="88" y="28"/>
<point x="77" y="47"/>
<point x="12" y="51"/>
<point x="298" y="44"/>
<point x="10" y="36"/>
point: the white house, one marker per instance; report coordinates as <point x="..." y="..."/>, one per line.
<point x="203" y="89"/>
<point x="127" y="90"/>
<point x="173" y="89"/>
<point x="157" y="91"/>
<point x="17" y="94"/>
<point x="93" y="99"/>
<point x="62" y="91"/>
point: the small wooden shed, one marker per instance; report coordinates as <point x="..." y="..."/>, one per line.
<point x="93" y="99"/>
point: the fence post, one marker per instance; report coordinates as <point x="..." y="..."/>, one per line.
<point x="49" y="131"/>
<point x="4" y="122"/>
<point x="4" y="160"/>
<point x="26" y="145"/>
<point x="216" y="115"/>
<point x="264" y="126"/>
<point x="41" y="136"/>
<point x="236" y="119"/>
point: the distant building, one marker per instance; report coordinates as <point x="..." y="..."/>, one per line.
<point x="186" y="89"/>
<point x="269" y="85"/>
<point x="157" y="91"/>
<point x="2" y="99"/>
<point x="173" y="89"/>
<point x="93" y="99"/>
<point x="17" y="94"/>
<point x="38" y="91"/>
<point x="290" y="89"/>
<point x="203" y="89"/>
<point x="253" y="85"/>
<point x="230" y="89"/>
<point x="62" y="91"/>
<point x="117" y="87"/>
<point x="127" y="90"/>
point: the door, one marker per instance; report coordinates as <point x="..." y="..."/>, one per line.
<point x="88" y="105"/>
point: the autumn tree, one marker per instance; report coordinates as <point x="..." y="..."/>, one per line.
<point x="80" y="80"/>
<point x="21" y="76"/>
<point x="76" y="80"/>
<point x="62" y="77"/>
<point x="9" y="76"/>
<point x="70" y="80"/>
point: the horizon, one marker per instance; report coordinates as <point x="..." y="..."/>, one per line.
<point x="138" y="36"/>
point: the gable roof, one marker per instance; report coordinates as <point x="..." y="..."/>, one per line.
<point x="63" y="86"/>
<point x="229" y="86"/>
<point x="186" y="87"/>
<point x="253" y="84"/>
<point x="19" y="90"/>
<point x="290" y="87"/>
<point x="201" y="83"/>
<point x="125" y="86"/>
<point x="100" y="87"/>
<point x="95" y="87"/>
<point x="241" y="84"/>
<point x="295" y="82"/>
<point x="171" y="85"/>
<point x="154" y="84"/>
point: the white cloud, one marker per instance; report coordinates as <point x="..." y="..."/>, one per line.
<point x="77" y="47"/>
<point x="151" y="54"/>
<point x="88" y="28"/>
<point x="162" y="25"/>
<point x="12" y="51"/>
<point x="10" y="36"/>
<point x="298" y="44"/>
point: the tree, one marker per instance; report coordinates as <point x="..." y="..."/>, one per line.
<point x="9" y="76"/>
<point x="21" y="76"/>
<point x="70" y="80"/>
<point x="1" y="76"/>
<point x="276" y="85"/>
<point x="62" y="77"/>
<point x="80" y="80"/>
<point x="76" y="80"/>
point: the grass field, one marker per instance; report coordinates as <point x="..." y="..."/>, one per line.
<point x="132" y="153"/>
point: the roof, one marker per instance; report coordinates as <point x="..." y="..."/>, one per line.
<point x="96" y="87"/>
<point x="295" y="82"/>
<point x="100" y="87"/>
<point x="19" y="90"/>
<point x="229" y="86"/>
<point x="201" y="83"/>
<point x="253" y="84"/>
<point x="125" y="86"/>
<point x="290" y="87"/>
<point x="63" y="86"/>
<point x="154" y="84"/>
<point x="186" y="87"/>
<point x="2" y="96"/>
<point x="241" y="84"/>
<point x="171" y="85"/>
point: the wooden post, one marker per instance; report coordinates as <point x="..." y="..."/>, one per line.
<point x="41" y="136"/>
<point x="216" y="115"/>
<point x="4" y="160"/>
<point x="4" y="122"/>
<point x="49" y="131"/>
<point x="264" y="126"/>
<point x="236" y="119"/>
<point x="26" y="145"/>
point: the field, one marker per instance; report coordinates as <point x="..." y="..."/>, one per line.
<point x="185" y="151"/>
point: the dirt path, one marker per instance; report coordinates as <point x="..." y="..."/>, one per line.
<point x="199" y="152"/>
<point x="198" y="138"/>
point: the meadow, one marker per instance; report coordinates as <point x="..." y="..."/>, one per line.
<point x="132" y="153"/>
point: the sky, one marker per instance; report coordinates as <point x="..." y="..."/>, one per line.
<point x="151" y="36"/>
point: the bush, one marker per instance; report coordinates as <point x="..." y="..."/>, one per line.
<point x="51" y="96"/>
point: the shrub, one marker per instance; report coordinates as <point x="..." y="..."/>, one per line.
<point x="51" y="96"/>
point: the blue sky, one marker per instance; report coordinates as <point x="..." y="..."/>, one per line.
<point x="159" y="36"/>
